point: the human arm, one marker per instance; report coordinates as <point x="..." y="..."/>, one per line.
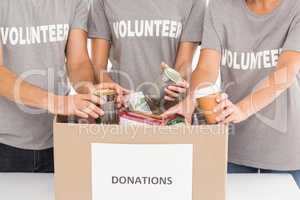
<point x="80" y="69"/>
<point x="266" y="92"/>
<point x="205" y="74"/>
<point x="18" y="90"/>
<point x="100" y="55"/>
<point x="190" y="39"/>
<point x="183" y="65"/>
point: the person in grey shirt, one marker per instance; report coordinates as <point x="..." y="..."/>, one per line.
<point x="257" y="45"/>
<point x="137" y="36"/>
<point x="36" y="39"/>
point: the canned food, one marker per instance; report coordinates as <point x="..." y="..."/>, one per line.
<point x="109" y="106"/>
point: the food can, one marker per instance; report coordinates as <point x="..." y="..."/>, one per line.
<point x="109" y="106"/>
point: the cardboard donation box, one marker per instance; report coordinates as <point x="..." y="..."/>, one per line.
<point x="106" y="162"/>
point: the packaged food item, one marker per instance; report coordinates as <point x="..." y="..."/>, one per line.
<point x="176" y="122"/>
<point x="206" y="100"/>
<point x="134" y="118"/>
<point x="137" y="103"/>
<point x="109" y="106"/>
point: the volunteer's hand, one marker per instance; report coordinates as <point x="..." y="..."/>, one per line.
<point x="121" y="92"/>
<point x="83" y="105"/>
<point x="185" y="108"/>
<point x="229" y="112"/>
<point x="175" y="91"/>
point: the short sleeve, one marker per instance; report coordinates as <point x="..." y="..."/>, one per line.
<point x="98" y="25"/>
<point x="292" y="42"/>
<point x="193" y="28"/>
<point x="211" y="39"/>
<point x="81" y="15"/>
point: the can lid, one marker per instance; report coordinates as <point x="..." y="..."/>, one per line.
<point x="173" y="75"/>
<point x="105" y="92"/>
<point x="206" y="91"/>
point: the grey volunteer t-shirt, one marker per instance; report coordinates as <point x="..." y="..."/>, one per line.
<point x="34" y="35"/>
<point x="250" y="45"/>
<point x="143" y="34"/>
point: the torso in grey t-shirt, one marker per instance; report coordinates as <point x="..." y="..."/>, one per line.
<point x="143" y="34"/>
<point x="33" y="36"/>
<point x="250" y="45"/>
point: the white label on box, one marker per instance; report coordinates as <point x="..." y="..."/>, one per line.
<point x="142" y="172"/>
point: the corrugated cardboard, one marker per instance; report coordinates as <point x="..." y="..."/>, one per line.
<point x="72" y="143"/>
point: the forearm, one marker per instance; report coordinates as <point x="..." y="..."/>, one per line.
<point x="82" y="76"/>
<point x="207" y="71"/>
<point x="22" y="92"/>
<point x="184" y="59"/>
<point x="100" y="55"/>
<point x="185" y="69"/>
<point x="268" y="90"/>
<point x="202" y="78"/>
<point x="102" y="75"/>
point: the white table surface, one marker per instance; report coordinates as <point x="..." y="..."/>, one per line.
<point x="240" y="187"/>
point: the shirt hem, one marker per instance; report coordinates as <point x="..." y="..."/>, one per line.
<point x="212" y="48"/>
<point x="196" y="40"/>
<point x="27" y="147"/>
<point x="79" y="27"/>
<point x="259" y="165"/>
<point x="98" y="36"/>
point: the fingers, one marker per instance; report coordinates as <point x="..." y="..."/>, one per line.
<point x="80" y="114"/>
<point x="183" y="84"/>
<point x="225" y="114"/>
<point x="96" y="109"/>
<point x="222" y="97"/>
<point x="90" y="112"/>
<point x="188" y="120"/>
<point x="92" y="98"/>
<point x="172" y="111"/>
<point x="167" y="98"/>
<point x="163" y="65"/>
<point x="228" y="120"/>
<point x="177" y="89"/>
<point x="120" y="90"/>
<point x="223" y="105"/>
<point x="171" y="94"/>
<point x="89" y="108"/>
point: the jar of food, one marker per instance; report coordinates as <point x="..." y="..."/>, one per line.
<point x="169" y="77"/>
<point x="207" y="100"/>
<point x="109" y="106"/>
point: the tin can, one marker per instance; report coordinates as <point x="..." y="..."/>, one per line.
<point x="109" y="106"/>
